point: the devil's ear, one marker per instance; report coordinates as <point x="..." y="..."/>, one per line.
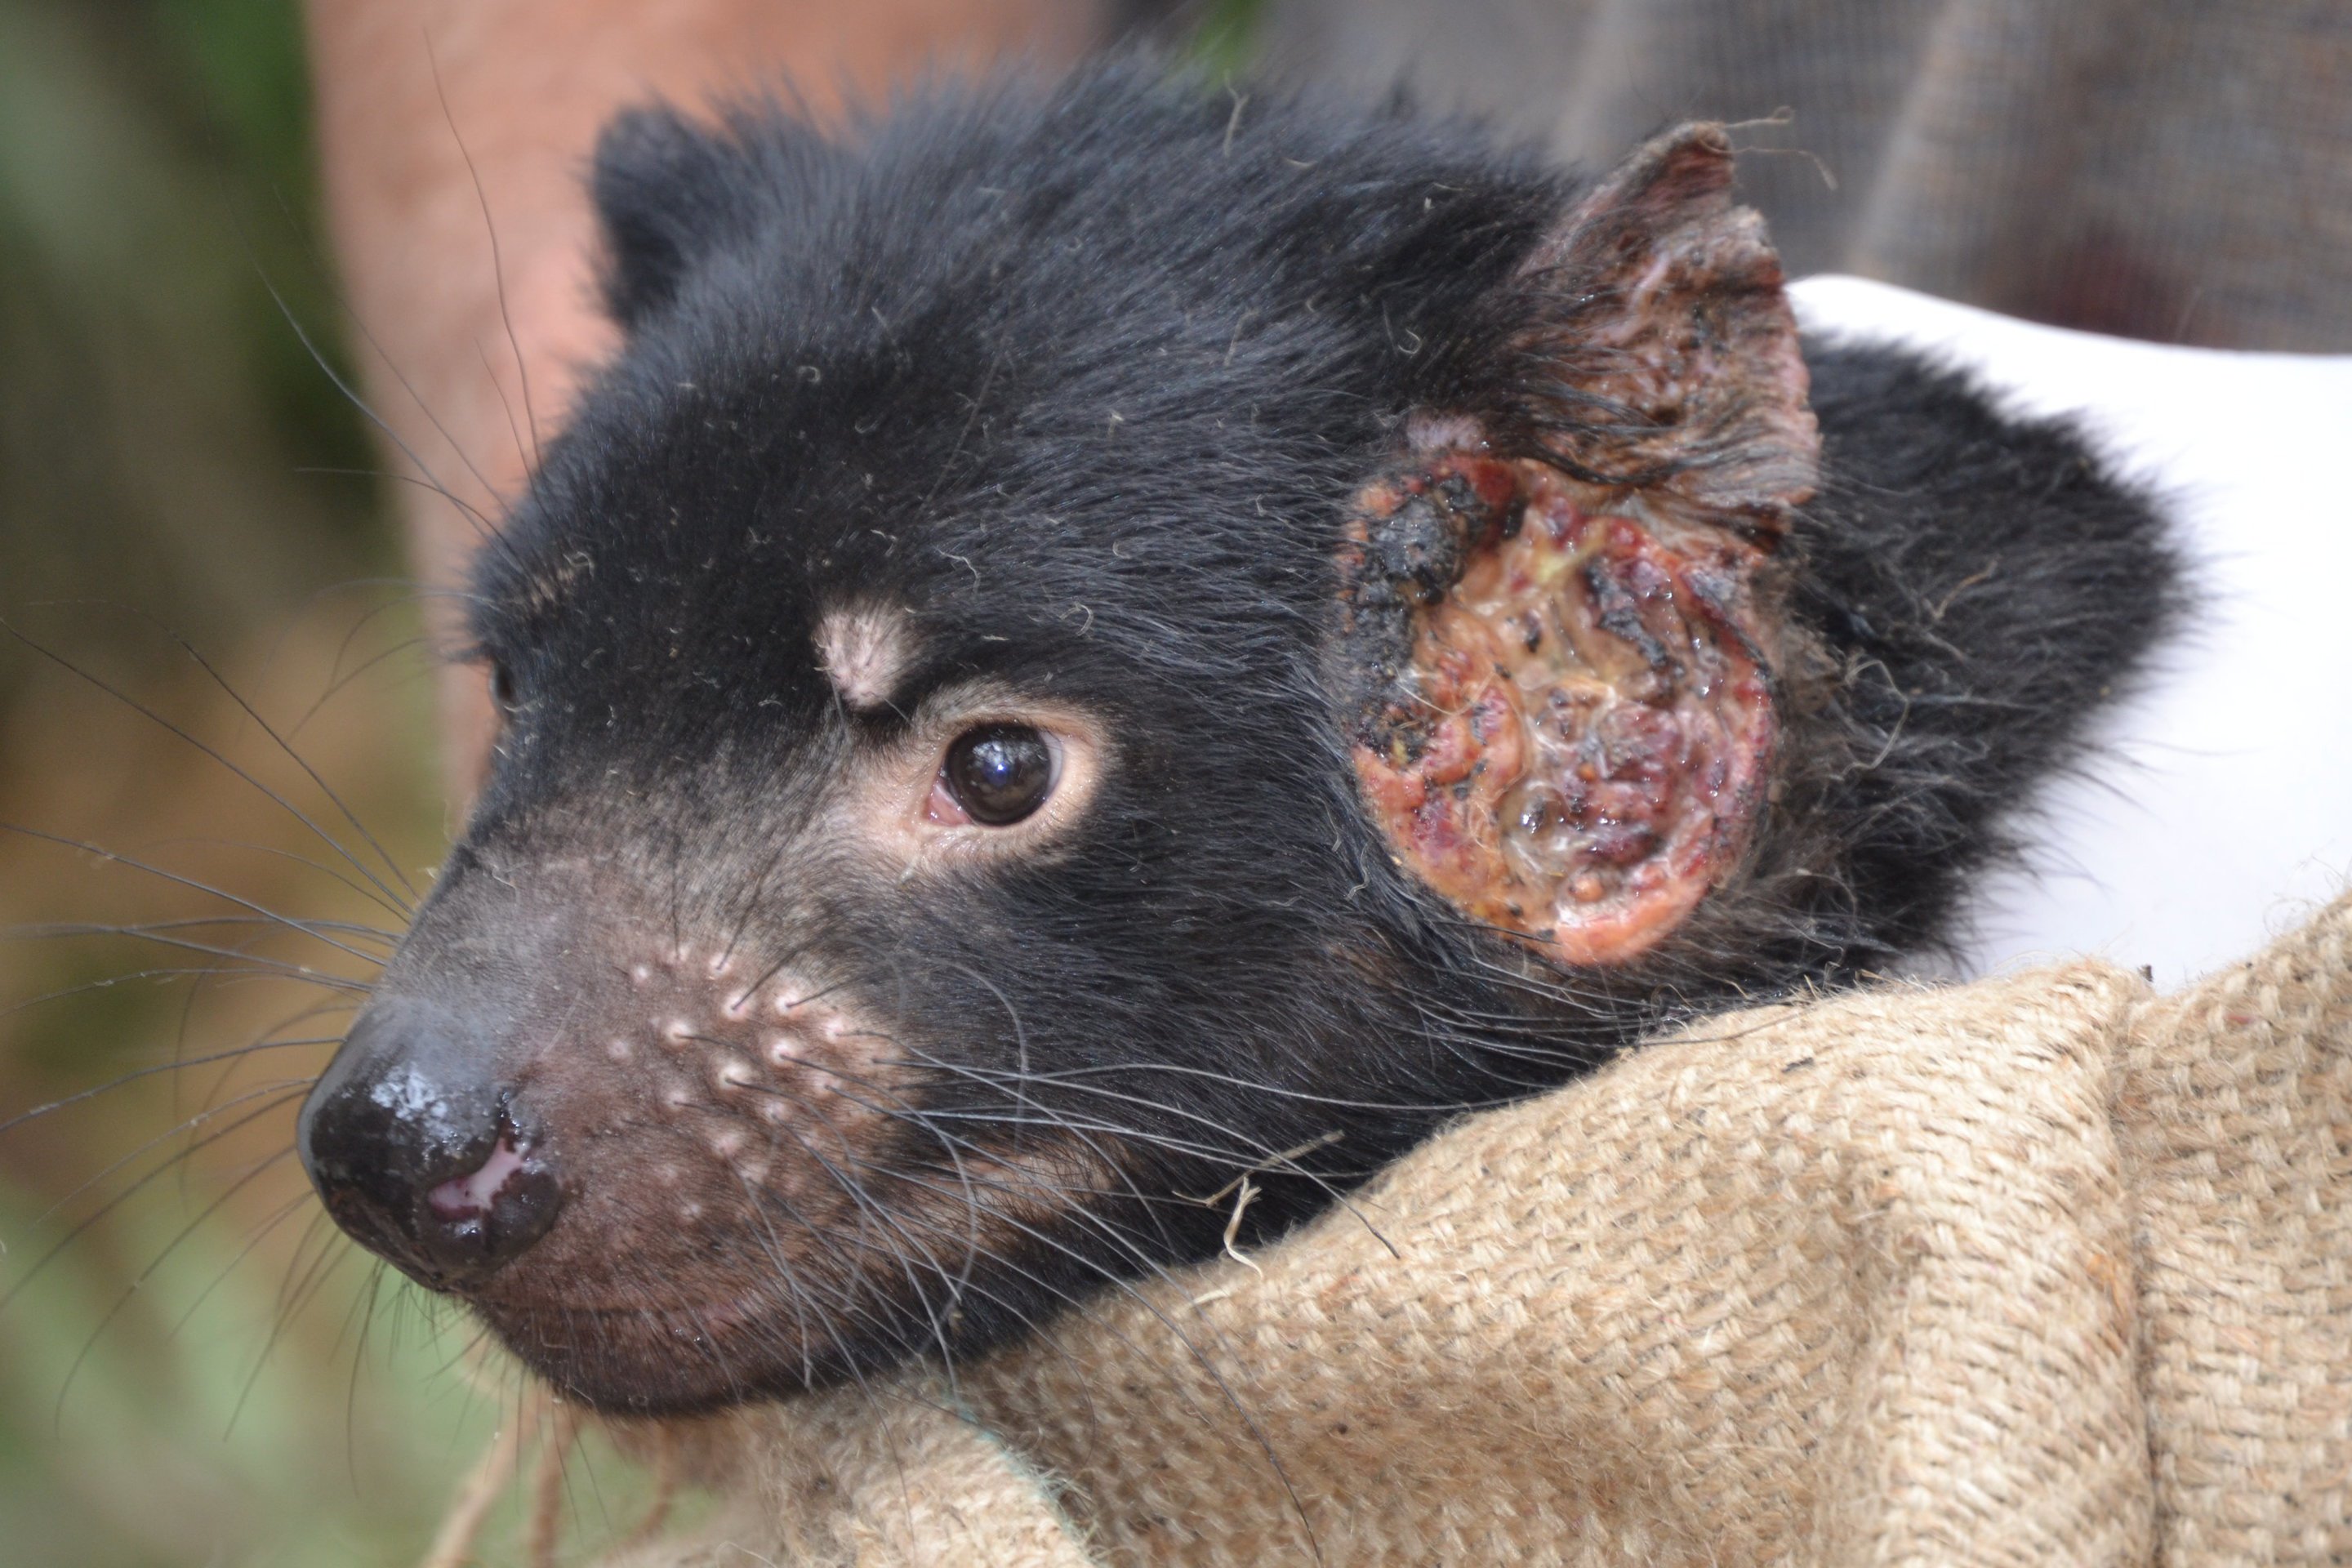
<point x="1553" y="653"/>
<point x="666" y="191"/>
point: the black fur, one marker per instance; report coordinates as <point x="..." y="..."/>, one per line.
<point x="1085" y="376"/>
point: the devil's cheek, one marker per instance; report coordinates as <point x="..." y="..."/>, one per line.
<point x="713" y="1140"/>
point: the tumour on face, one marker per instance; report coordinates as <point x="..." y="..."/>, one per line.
<point x="1568" y="726"/>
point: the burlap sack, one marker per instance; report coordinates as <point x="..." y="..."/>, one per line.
<point x="2038" y="1270"/>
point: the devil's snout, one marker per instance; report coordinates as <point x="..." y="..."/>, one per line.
<point x="420" y="1154"/>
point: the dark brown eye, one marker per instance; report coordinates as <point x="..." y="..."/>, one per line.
<point x="503" y="687"/>
<point x="999" y="773"/>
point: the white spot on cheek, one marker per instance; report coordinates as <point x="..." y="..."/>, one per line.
<point x="781" y="1049"/>
<point x="726" y="1145"/>
<point x="774" y="1110"/>
<point x="864" y="653"/>
<point x="641" y="972"/>
<point x="618" y="1050"/>
<point x="677" y="1032"/>
<point x="677" y="1097"/>
<point x="734" y="1075"/>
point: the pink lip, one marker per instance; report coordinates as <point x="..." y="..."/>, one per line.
<point x="463" y="1197"/>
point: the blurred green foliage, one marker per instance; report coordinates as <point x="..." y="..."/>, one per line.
<point x="155" y="188"/>
<point x="1225" y="36"/>
<point x="160" y="426"/>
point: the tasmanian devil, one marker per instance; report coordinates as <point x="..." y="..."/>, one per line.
<point x="1097" y="638"/>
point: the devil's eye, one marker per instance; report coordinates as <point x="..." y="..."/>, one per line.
<point x="999" y="773"/>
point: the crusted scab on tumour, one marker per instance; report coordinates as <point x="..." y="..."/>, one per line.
<point x="1569" y="727"/>
<point x="1558" y="683"/>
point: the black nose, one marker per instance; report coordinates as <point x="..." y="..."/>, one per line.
<point x="418" y="1155"/>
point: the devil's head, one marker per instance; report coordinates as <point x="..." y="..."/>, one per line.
<point x="1088" y="643"/>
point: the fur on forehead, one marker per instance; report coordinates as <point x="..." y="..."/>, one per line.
<point x="1085" y="261"/>
<point x="1038" y="387"/>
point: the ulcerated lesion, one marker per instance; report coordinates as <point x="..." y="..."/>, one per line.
<point x="1560" y="704"/>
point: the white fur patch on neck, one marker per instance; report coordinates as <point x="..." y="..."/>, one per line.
<point x="864" y="652"/>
